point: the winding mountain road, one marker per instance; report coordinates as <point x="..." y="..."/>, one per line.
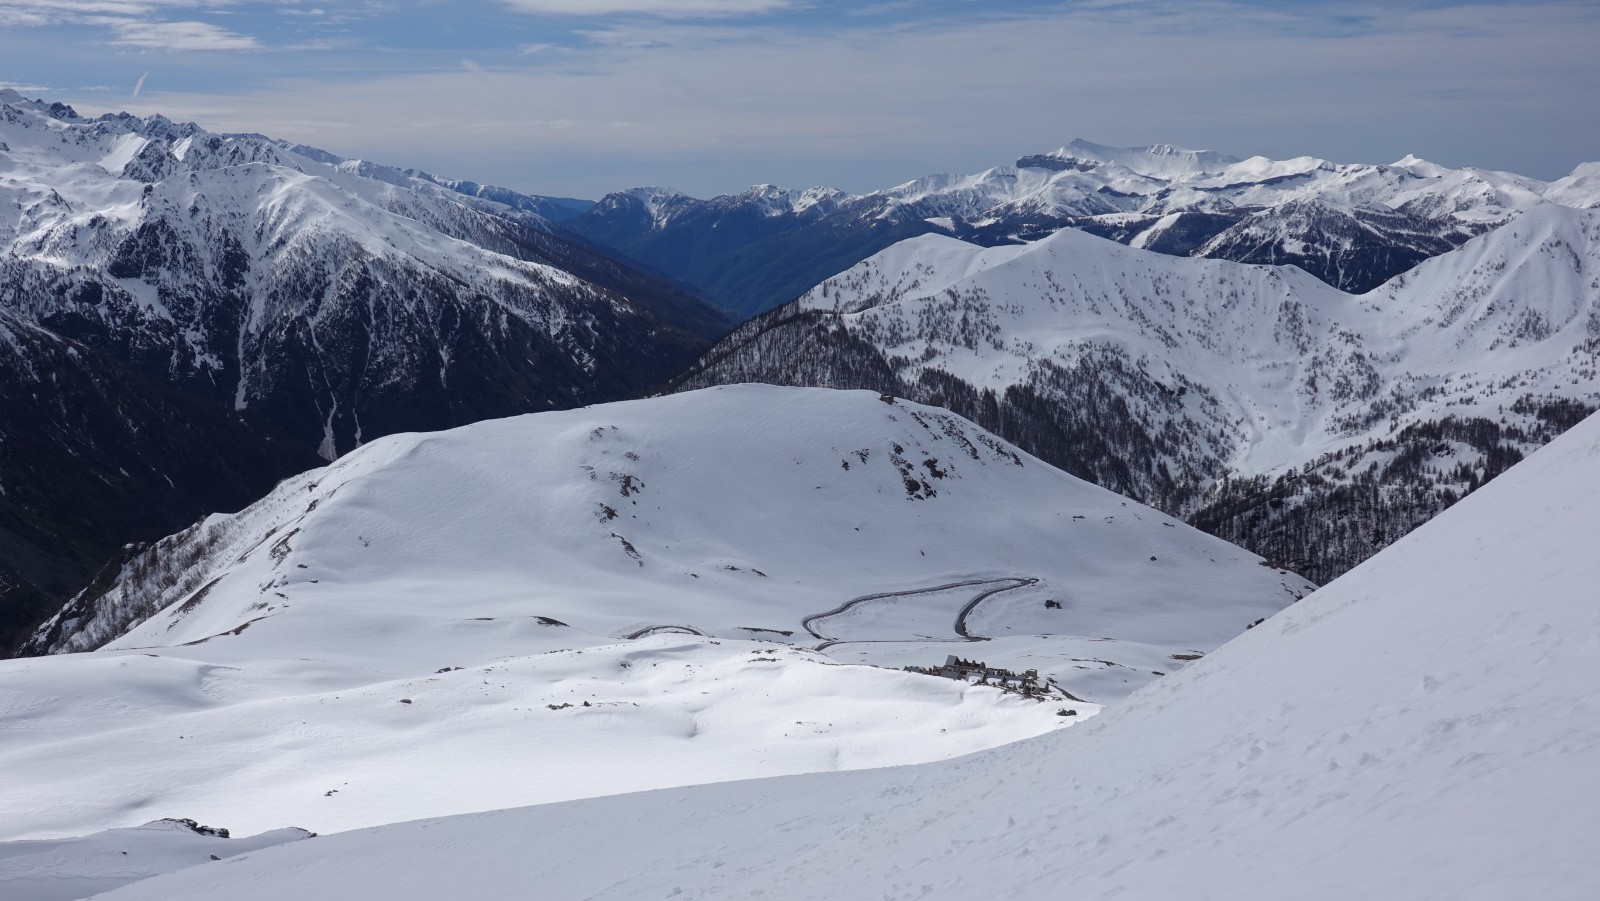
<point x="810" y="623"/>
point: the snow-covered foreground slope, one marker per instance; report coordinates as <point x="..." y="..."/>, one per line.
<point x="1339" y="421"/>
<point x="1424" y="727"/>
<point x="399" y="634"/>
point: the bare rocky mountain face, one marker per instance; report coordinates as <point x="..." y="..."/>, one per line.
<point x="259" y="305"/>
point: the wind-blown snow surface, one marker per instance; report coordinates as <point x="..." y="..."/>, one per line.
<point x="1424" y="727"/>
<point x="297" y="666"/>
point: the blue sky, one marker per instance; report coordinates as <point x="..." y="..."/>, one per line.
<point x="579" y="97"/>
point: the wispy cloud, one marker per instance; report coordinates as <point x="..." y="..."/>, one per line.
<point x="179" y="36"/>
<point x="139" y="85"/>
<point x="132" y="23"/>
<point x="709" y="106"/>
<point x="56" y="12"/>
<point x="481" y="72"/>
<point x="667" y="9"/>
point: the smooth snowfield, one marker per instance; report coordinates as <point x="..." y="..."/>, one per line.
<point x="105" y="739"/>
<point x="398" y="635"/>
<point x="1424" y="727"/>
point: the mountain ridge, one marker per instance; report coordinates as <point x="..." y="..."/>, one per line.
<point x="1351" y="225"/>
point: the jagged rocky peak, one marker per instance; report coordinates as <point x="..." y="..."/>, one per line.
<point x="55" y="110"/>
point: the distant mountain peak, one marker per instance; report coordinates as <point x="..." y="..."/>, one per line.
<point x="1158" y="160"/>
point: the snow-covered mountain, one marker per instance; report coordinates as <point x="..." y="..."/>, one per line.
<point x="316" y="300"/>
<point x="634" y="595"/>
<point x="1352" y="225"/>
<point x="1308" y="424"/>
<point x="71" y="868"/>
<point x="1424" y="727"/>
<point x="342" y="299"/>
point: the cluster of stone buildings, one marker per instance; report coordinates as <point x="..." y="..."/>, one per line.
<point x="1024" y="683"/>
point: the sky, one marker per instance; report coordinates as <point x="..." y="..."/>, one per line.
<point x="581" y="97"/>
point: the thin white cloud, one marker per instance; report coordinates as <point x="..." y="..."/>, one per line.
<point x="179" y="36"/>
<point x="475" y="69"/>
<point x="139" y="85"/>
<point x="666" y="9"/>
<point x="713" y="108"/>
<point x="58" y="12"/>
<point x="133" y="23"/>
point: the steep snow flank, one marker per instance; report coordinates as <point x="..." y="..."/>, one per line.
<point x="677" y="563"/>
<point x="1424" y="727"/>
<point x="990" y="317"/>
<point x="1580" y="189"/>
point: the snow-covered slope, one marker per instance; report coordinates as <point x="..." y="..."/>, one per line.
<point x="1162" y="377"/>
<point x="619" y="597"/>
<point x="1351" y="225"/>
<point x="1424" y="727"/>
<point x="93" y="454"/>
<point x="67" y="869"/>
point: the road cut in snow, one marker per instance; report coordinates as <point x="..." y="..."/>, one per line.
<point x="400" y="634"/>
<point x="1423" y="727"/>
